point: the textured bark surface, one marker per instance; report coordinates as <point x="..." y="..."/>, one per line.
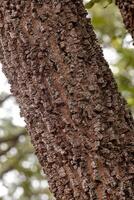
<point x="1" y="54"/>
<point x="79" y="123"/>
<point x="127" y="11"/>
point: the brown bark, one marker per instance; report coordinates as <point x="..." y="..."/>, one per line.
<point x="127" y="11"/>
<point x="79" y="123"/>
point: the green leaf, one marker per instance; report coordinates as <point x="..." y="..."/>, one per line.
<point x="91" y="3"/>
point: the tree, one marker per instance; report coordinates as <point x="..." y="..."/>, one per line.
<point x="116" y="39"/>
<point x="18" y="163"/>
<point x="127" y="10"/>
<point x="79" y="123"/>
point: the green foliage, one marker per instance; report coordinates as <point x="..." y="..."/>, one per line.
<point x="91" y="3"/>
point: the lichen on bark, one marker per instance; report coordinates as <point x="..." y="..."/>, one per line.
<point x="79" y="123"/>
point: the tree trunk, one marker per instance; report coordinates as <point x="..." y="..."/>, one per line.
<point x="127" y="11"/>
<point x="79" y="123"/>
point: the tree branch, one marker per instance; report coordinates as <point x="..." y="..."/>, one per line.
<point x="127" y="11"/>
<point x="12" y="138"/>
<point x="2" y="100"/>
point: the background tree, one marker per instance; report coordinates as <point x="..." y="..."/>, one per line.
<point x="114" y="35"/>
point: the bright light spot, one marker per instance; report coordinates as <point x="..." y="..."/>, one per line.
<point x="19" y="191"/>
<point x="3" y="146"/>
<point x="44" y="183"/>
<point x="4" y="85"/>
<point x="3" y="190"/>
<point x="30" y="162"/>
<point x="9" y="109"/>
<point x="35" y="184"/>
<point x="12" y="152"/>
<point x="128" y="42"/>
<point x="26" y="164"/>
<point x="1" y="131"/>
<point x="3" y="159"/>
<point x="85" y="1"/>
<point x="13" y="177"/>
<point x="111" y="56"/>
<point x="44" y="197"/>
<point x="22" y="139"/>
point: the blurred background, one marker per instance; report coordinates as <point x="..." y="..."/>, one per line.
<point x="20" y="174"/>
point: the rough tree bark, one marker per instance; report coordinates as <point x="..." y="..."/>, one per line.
<point x="79" y="123"/>
<point x="127" y="11"/>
